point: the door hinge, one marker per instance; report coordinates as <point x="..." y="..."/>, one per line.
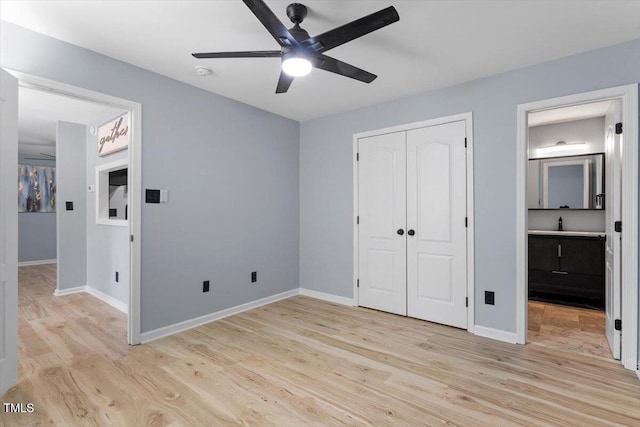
<point x="358" y="283"/>
<point x="131" y="237"/>
<point x="617" y="325"/>
<point x="357" y="157"/>
<point x="465" y="143"/>
<point x="466" y="221"/>
<point x="466" y="301"/>
<point x="617" y="226"/>
<point x="358" y="219"/>
<point x="619" y="128"/>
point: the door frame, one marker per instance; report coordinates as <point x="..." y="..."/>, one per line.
<point x="468" y="119"/>
<point x="628" y="96"/>
<point x="135" y="179"/>
<point x="9" y="370"/>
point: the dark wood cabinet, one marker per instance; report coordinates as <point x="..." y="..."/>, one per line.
<point x="569" y="269"/>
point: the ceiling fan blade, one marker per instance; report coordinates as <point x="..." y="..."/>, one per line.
<point x="333" y="65"/>
<point x="246" y="54"/>
<point x="352" y="30"/>
<point x="284" y="82"/>
<point x="271" y="22"/>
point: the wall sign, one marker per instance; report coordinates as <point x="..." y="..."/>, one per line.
<point x="114" y="135"/>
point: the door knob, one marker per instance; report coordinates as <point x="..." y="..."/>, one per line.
<point x="400" y="231"/>
<point x="411" y="232"/>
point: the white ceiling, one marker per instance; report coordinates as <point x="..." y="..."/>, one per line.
<point x="436" y="43"/>
<point x="38" y="113"/>
<point x="569" y="114"/>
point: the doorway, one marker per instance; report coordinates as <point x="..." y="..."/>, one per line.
<point x="132" y="156"/>
<point x="411" y="258"/>
<point x="574" y="189"/>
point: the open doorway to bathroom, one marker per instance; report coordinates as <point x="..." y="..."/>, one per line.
<point x="573" y="188"/>
<point x="577" y="219"/>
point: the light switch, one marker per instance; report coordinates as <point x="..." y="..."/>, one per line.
<point x="164" y="196"/>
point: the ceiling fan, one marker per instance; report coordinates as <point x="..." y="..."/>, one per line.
<point x="300" y="52"/>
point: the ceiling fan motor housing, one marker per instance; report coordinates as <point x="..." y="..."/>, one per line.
<point x="298" y="33"/>
<point x="296" y="12"/>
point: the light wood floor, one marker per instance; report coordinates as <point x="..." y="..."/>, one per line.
<point x="298" y="362"/>
<point x="568" y="328"/>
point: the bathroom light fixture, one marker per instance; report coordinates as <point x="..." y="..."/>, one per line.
<point x="561" y="146"/>
<point x="295" y="64"/>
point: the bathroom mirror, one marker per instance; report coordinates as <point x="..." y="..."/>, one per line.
<point x="569" y="182"/>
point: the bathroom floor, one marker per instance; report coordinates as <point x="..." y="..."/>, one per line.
<point x="568" y="328"/>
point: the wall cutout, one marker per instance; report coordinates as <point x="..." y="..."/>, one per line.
<point x="112" y="198"/>
<point x="118" y="194"/>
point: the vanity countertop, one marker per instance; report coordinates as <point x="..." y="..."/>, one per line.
<point x="568" y="233"/>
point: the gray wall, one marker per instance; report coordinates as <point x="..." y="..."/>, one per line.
<point x="231" y="170"/>
<point x="36" y="236"/>
<point x="326" y="225"/>
<point x="36" y="230"/>
<point x="590" y="131"/>
<point x="107" y="245"/>
<point x="71" y="187"/>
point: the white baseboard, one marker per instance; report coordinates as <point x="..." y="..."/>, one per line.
<point x="115" y="303"/>
<point x="496" y="334"/>
<point x="37" y="262"/>
<point x="208" y="318"/>
<point x="638" y="373"/>
<point x="69" y="291"/>
<point x="326" y="297"/>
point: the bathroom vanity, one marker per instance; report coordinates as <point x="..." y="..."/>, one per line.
<point x="567" y="267"/>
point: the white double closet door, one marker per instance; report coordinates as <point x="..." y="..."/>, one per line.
<point x="412" y="252"/>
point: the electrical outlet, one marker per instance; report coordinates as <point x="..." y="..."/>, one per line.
<point x="117" y="277"/>
<point x="205" y="286"/>
<point x="490" y="297"/>
<point x="254" y="276"/>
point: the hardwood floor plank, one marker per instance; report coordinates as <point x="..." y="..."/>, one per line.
<point x="300" y="361"/>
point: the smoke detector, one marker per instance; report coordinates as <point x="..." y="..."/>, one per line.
<point x="203" y="71"/>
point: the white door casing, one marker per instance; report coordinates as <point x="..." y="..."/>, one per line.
<point x="8" y="231"/>
<point x="613" y="184"/>
<point x="382" y="212"/>
<point x="436" y="211"/>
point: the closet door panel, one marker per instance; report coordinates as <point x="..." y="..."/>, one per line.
<point x="436" y="211"/>
<point x="382" y="255"/>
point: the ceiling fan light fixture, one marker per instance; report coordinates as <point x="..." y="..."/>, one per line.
<point x="295" y="65"/>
